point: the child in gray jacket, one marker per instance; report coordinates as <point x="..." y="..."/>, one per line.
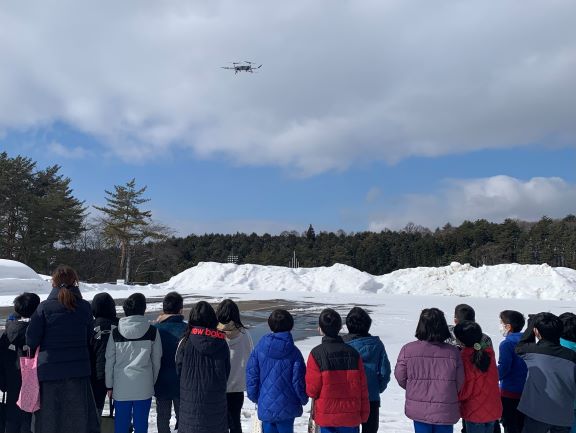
<point x="133" y="357"/>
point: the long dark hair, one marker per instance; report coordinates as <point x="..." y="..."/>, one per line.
<point x="470" y="335"/>
<point x="66" y="280"/>
<point x="202" y="314"/>
<point x="227" y="312"/>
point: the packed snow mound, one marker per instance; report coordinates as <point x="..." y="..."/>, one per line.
<point x="209" y="276"/>
<point x="16" y="277"/>
<point x="499" y="281"/>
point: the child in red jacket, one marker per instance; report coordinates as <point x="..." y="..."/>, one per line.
<point x="335" y="378"/>
<point x="480" y="403"/>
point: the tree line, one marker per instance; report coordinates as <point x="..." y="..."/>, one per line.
<point x="42" y="225"/>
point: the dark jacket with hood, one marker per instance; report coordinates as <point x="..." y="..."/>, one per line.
<point x="11" y="348"/>
<point x="376" y="363"/>
<point x="62" y="336"/>
<point x="102" y="329"/>
<point x="203" y="363"/>
<point x="171" y="329"/>
<point x="275" y="378"/>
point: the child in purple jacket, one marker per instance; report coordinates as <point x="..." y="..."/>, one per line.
<point x="432" y="374"/>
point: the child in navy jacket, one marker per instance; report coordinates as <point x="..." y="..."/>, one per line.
<point x="275" y="376"/>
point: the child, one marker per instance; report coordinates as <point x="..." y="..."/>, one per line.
<point x="375" y="359"/>
<point x="336" y="380"/>
<point x="464" y="312"/>
<point x="480" y="404"/>
<point x="432" y="374"/>
<point x="275" y="376"/>
<point x="203" y="364"/>
<point x="171" y="326"/>
<point x="240" y="345"/>
<point x="12" y="347"/>
<point x="104" y="312"/>
<point x="550" y="389"/>
<point x="568" y="340"/>
<point x="133" y="357"/>
<point x="511" y="370"/>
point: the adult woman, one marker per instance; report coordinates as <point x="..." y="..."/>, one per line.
<point x="203" y="364"/>
<point x="60" y="329"/>
<point x="240" y="344"/>
<point x="432" y="373"/>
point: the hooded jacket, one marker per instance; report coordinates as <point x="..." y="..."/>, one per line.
<point x="432" y="375"/>
<point x="376" y="363"/>
<point x="240" y="345"/>
<point x="275" y="378"/>
<point x="62" y="336"/>
<point x="133" y="357"/>
<point x="480" y="396"/>
<point x="103" y="327"/>
<point x="512" y="369"/>
<point x="11" y="349"/>
<point x="171" y="329"/>
<point x="203" y="363"/>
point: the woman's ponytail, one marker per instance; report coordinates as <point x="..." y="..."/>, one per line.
<point x="470" y="335"/>
<point x="66" y="280"/>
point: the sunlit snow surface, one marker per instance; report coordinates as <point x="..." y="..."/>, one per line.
<point x="394" y="300"/>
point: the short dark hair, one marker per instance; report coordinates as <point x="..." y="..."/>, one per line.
<point x="549" y="326"/>
<point x="103" y="305"/>
<point x="464" y="312"/>
<point x="513" y="318"/>
<point x="202" y="314"/>
<point x="172" y="303"/>
<point x="25" y="304"/>
<point x="280" y="321"/>
<point x="432" y="326"/>
<point x="135" y="305"/>
<point x="358" y="321"/>
<point x="568" y="326"/>
<point x="330" y="322"/>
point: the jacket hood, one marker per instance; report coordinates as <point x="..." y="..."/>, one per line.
<point x="133" y="326"/>
<point x="277" y="345"/>
<point x="170" y="318"/>
<point x="231" y="330"/>
<point x="16" y="332"/>
<point x="209" y="342"/>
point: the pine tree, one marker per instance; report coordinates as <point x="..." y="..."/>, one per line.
<point x="126" y="224"/>
<point x="311" y="234"/>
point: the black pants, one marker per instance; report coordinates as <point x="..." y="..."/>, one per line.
<point x="99" y="390"/>
<point x="17" y="421"/>
<point x="164" y="412"/>
<point x="235" y="403"/>
<point x="533" y="426"/>
<point x="371" y="426"/>
<point x="512" y="418"/>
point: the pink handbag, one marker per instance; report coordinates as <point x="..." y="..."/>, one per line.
<point x="29" y="399"/>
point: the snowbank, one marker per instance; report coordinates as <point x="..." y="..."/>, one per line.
<point x="16" y="277"/>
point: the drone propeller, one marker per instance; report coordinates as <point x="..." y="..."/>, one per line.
<point x="250" y="63"/>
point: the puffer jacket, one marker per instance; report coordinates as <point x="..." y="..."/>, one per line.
<point x="512" y="369"/>
<point x="432" y="375"/>
<point x="171" y="329"/>
<point x="240" y="345"/>
<point x="376" y="363"/>
<point x="480" y="396"/>
<point x="98" y="342"/>
<point x="12" y="343"/>
<point x="203" y="363"/>
<point x="133" y="359"/>
<point x="275" y="378"/>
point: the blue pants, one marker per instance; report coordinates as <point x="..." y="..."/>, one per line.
<point x="131" y="411"/>
<point x="479" y="427"/>
<point x="421" y="427"/>
<point x="286" y="426"/>
<point x="340" y="429"/>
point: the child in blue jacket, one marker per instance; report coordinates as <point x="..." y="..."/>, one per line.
<point x="275" y="376"/>
<point x="375" y="359"/>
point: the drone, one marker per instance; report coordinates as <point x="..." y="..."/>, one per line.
<point x="244" y="66"/>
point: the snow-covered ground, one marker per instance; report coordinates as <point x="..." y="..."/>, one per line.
<point x="394" y="300"/>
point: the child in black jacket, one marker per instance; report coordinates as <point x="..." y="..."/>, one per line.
<point x="12" y="347"/>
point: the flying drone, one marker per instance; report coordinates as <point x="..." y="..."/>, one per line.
<point x="244" y="66"/>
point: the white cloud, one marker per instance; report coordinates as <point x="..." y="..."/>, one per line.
<point x="493" y="198"/>
<point x="342" y="82"/>
<point x="77" y="152"/>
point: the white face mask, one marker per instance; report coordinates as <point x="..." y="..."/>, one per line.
<point x="503" y="330"/>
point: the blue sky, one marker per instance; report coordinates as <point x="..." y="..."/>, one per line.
<point x="368" y="117"/>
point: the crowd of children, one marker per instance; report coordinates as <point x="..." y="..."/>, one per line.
<point x="201" y="368"/>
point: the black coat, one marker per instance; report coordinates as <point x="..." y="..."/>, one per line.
<point x="203" y="363"/>
<point x="63" y="337"/>
<point x="98" y="342"/>
<point x="11" y="344"/>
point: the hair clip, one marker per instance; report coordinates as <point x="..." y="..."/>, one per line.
<point x="478" y="346"/>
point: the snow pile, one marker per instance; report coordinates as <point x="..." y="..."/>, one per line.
<point x="16" y="277"/>
<point x="499" y="281"/>
<point x="224" y="276"/>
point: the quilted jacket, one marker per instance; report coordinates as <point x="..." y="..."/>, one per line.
<point x="480" y="396"/>
<point x="275" y="378"/>
<point x="376" y="363"/>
